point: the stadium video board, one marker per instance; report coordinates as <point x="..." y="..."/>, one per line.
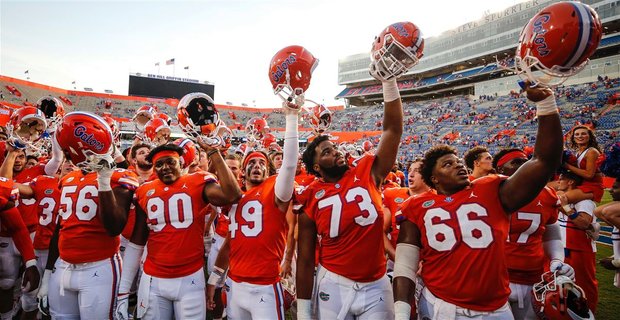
<point x="157" y="86"/>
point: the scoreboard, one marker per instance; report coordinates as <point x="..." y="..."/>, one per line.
<point x="157" y="86"/>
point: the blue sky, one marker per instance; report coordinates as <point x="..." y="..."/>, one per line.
<point x="230" y="43"/>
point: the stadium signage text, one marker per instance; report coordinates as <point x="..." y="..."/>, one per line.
<point x="88" y="138"/>
<point x="282" y="67"/>
<point x="156" y="76"/>
<point x="498" y="15"/>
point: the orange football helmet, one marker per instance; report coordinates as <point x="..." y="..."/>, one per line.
<point x="558" y="297"/>
<point x="256" y="128"/>
<point x="320" y="118"/>
<point x="143" y="115"/>
<point x="197" y="115"/>
<point x="558" y="41"/>
<point x="290" y="72"/>
<point x="189" y="151"/>
<point x="270" y="142"/>
<point x="157" y="132"/>
<point x="164" y="117"/>
<point x="395" y="50"/>
<point x="116" y="132"/>
<point x="26" y="126"/>
<point x="86" y="140"/>
<point x="53" y="109"/>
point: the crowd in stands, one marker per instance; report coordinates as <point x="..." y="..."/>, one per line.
<point x="465" y="122"/>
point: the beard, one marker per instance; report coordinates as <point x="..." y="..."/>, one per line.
<point x="143" y="165"/>
<point x="335" y="171"/>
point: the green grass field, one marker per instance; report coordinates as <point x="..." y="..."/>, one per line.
<point x="608" y="295"/>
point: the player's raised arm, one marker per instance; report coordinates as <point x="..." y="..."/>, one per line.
<point x="523" y="186"/>
<point x="395" y="50"/>
<point x="227" y="191"/>
<point x="285" y="181"/>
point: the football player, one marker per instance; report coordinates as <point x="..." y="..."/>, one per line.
<point x="459" y="233"/>
<point x="83" y="266"/>
<point x="14" y="167"/>
<point x="343" y="208"/>
<point x="170" y="215"/>
<point x="44" y="190"/>
<point x="12" y="222"/>
<point x="479" y="161"/>
<point x="258" y="229"/>
<point x="392" y="200"/>
<point x="534" y="237"/>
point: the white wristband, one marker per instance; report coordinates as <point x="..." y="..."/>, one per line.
<point x="402" y="310"/>
<point x="546" y="106"/>
<point x="304" y="309"/>
<point x="216" y="276"/>
<point x="104" y="183"/>
<point x="31" y="262"/>
<point x="390" y="90"/>
<point x="616" y="263"/>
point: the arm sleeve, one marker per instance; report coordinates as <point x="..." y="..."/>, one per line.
<point x="285" y="181"/>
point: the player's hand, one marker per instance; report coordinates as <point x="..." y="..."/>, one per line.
<point x="594" y="231"/>
<point x="562" y="269"/>
<point x="31" y="279"/>
<point x="536" y="93"/>
<point x="210" y="297"/>
<point x="42" y="294"/>
<point x="286" y="269"/>
<point x="122" y="306"/>
<point x="290" y="108"/>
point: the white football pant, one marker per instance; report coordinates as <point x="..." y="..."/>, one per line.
<point x="172" y="298"/>
<point x="341" y="298"/>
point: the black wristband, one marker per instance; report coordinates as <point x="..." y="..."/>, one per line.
<point x="212" y="152"/>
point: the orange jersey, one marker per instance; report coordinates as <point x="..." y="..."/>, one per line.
<point x="463" y="239"/>
<point x="525" y="256"/>
<point x="131" y="215"/>
<point x="393" y="198"/>
<point x="28" y="207"/>
<point x="257" y="232"/>
<point x="83" y="237"/>
<point x="401" y="177"/>
<point x="47" y="195"/>
<point x="349" y="222"/>
<point x="222" y="222"/>
<point x="304" y="179"/>
<point x="176" y="220"/>
<point x="8" y="191"/>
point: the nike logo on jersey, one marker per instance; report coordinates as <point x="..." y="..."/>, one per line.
<point x="261" y="300"/>
<point x="539" y="204"/>
<point x="355" y="179"/>
<point x="95" y="275"/>
<point x="184" y="186"/>
<point x="472" y="195"/>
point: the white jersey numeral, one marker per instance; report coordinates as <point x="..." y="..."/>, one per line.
<point x="48" y="205"/>
<point x="475" y="233"/>
<point x="368" y="214"/>
<point x="85" y="207"/>
<point x="252" y="213"/>
<point x="534" y="218"/>
<point x="176" y="212"/>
